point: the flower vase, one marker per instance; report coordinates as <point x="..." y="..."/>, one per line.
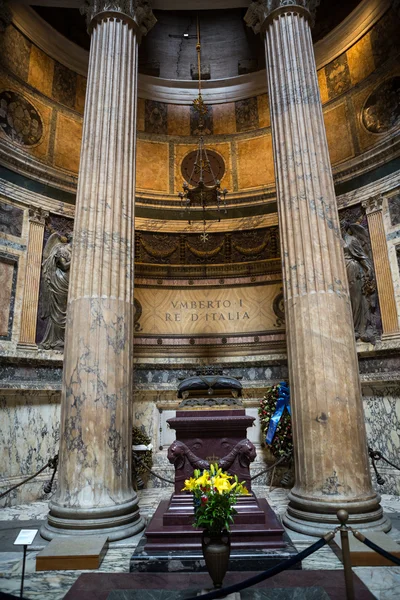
<point x="216" y="551"/>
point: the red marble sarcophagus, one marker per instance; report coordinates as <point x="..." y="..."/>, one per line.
<point x="204" y="437"/>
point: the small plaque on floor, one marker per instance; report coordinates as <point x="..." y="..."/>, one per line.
<point x="294" y="593"/>
<point x="362" y="555"/>
<point x="72" y="553"/>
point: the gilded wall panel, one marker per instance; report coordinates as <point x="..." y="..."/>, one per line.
<point x="263" y="111"/>
<point x="255" y="162"/>
<point x="67" y="143"/>
<point x="208" y="311"/>
<point x="337" y="76"/>
<point x="81" y="83"/>
<point x="360" y="59"/>
<point x="224" y="118"/>
<point x="178" y="119"/>
<point x="224" y="149"/>
<point x="64" y="85"/>
<point x="140" y="115"/>
<point x="15" y="51"/>
<point x="155" y="117"/>
<point x="323" y="88"/>
<point x="41" y="71"/>
<point x="246" y="112"/>
<point x="338" y="133"/>
<point x="152" y="166"/>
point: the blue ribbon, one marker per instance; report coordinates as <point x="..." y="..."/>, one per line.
<point x="282" y="402"/>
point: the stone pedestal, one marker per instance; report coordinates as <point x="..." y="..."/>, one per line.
<point x="211" y="435"/>
<point x="95" y="493"/>
<point x="331" y="460"/>
<point x="204" y="437"/>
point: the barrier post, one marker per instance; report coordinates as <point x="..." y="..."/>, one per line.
<point x="343" y="517"/>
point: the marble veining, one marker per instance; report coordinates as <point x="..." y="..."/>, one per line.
<point x="384" y="582"/>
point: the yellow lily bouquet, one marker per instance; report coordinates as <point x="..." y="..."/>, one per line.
<point x="214" y="496"/>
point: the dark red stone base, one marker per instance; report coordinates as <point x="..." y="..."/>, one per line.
<point x="256" y="526"/>
<point x="97" y="586"/>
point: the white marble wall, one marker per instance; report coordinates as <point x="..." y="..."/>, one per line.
<point x="30" y="429"/>
<point x="382" y="417"/>
<point x="29" y="436"/>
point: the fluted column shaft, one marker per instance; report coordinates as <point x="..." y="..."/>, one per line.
<point x="387" y="301"/>
<point x="331" y="460"/>
<point x="95" y="491"/>
<point x="37" y="221"/>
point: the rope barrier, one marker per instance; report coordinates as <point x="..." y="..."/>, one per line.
<point x="139" y="460"/>
<point x="376" y="548"/>
<point x="51" y="464"/>
<point x="278" y="462"/>
<point x="282" y="566"/>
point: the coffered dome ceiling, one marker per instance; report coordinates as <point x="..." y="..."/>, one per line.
<point x="229" y="48"/>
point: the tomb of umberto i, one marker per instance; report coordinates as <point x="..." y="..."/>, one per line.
<point x="234" y="296"/>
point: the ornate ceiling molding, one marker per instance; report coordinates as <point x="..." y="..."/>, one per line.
<point x="219" y="91"/>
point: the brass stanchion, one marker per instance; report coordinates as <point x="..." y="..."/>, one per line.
<point x="343" y="517"/>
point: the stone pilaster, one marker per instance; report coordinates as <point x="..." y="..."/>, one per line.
<point x="95" y="493"/>
<point x="380" y="255"/>
<point x="37" y="221"/>
<point x="331" y="459"/>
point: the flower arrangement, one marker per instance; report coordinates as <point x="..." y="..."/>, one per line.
<point x="276" y="424"/>
<point x="214" y="496"/>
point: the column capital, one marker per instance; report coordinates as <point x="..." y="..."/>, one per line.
<point x="38" y="215"/>
<point x="134" y="12"/>
<point x="373" y="204"/>
<point x="260" y="12"/>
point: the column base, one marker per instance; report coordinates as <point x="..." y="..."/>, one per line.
<point x="317" y="518"/>
<point x="118" y="522"/>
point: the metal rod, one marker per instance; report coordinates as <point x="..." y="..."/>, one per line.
<point x="343" y="517"/>
<point x="23" y="572"/>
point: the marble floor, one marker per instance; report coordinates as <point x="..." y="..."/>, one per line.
<point x="383" y="582"/>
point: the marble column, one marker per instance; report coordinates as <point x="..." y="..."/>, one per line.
<point x="380" y="255"/>
<point x="331" y="460"/>
<point x="37" y="221"/>
<point x="95" y="493"/>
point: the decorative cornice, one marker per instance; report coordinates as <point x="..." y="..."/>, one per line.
<point x="137" y="12"/>
<point x="38" y="215"/>
<point x="345" y="35"/>
<point x="260" y="12"/>
<point x="373" y="204"/>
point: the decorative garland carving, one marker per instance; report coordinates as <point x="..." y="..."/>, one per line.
<point x="250" y="251"/>
<point x="204" y="254"/>
<point x="259" y="244"/>
<point x="160" y="254"/>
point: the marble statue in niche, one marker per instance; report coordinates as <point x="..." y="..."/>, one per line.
<point x="55" y="278"/>
<point x="362" y="285"/>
